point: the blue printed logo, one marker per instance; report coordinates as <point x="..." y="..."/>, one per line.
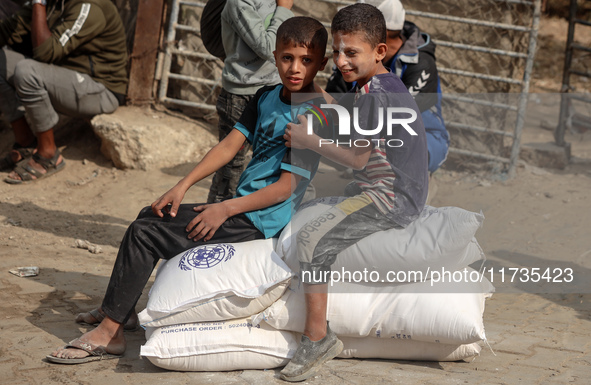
<point x="205" y="257"/>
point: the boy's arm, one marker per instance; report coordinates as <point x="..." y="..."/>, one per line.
<point x="296" y="136"/>
<point x="213" y="215"/>
<point x="215" y="158"/>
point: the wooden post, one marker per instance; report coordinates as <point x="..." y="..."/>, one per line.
<point x="145" y="51"/>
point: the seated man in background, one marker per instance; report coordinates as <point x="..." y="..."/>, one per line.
<point x="411" y="56"/>
<point x="65" y="57"/>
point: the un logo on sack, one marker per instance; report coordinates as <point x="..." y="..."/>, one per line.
<point x="205" y="257"/>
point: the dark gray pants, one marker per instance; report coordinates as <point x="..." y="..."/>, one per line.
<point x="41" y="91"/>
<point x="151" y="238"/>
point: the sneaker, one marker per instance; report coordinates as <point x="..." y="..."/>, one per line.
<point x="310" y="356"/>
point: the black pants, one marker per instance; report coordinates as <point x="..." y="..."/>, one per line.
<point x="150" y="238"/>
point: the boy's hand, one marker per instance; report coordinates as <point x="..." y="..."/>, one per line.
<point x="285" y="3"/>
<point x="296" y="135"/>
<point x="204" y="225"/>
<point x="174" y="197"/>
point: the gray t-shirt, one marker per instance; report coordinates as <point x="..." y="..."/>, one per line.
<point x="249" y="29"/>
<point x="396" y="175"/>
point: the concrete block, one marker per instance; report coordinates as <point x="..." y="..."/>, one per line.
<point x="144" y="139"/>
<point x="547" y="155"/>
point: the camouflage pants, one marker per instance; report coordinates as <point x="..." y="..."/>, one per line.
<point x="225" y="180"/>
<point x="320" y="240"/>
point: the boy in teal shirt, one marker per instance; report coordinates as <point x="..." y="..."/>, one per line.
<point x="261" y="208"/>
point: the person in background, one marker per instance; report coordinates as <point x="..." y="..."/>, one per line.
<point x="411" y="56"/>
<point x="249" y="28"/>
<point x="58" y="57"/>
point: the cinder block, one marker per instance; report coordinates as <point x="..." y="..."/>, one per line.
<point x="547" y="155"/>
<point x="135" y="138"/>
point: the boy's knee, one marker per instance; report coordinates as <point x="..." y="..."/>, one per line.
<point x="304" y="240"/>
<point x="145" y="213"/>
<point x="26" y="73"/>
<point x="139" y="227"/>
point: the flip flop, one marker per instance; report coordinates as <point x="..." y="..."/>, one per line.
<point x="27" y="172"/>
<point x="96" y="353"/>
<point x="129" y="325"/>
<point x="25" y="152"/>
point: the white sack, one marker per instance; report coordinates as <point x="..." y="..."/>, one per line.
<point x="216" y="282"/>
<point x="440" y="238"/>
<point x="218" y="346"/>
<point x="406" y="350"/>
<point x="451" y="315"/>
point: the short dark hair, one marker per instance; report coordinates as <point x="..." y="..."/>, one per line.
<point x="303" y="31"/>
<point x="364" y="18"/>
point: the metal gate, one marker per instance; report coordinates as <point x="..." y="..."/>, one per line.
<point x="174" y="49"/>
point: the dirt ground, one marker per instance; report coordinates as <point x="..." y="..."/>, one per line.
<point x="540" y="218"/>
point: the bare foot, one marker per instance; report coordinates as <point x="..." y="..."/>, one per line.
<point x="15" y="156"/>
<point x="89" y="317"/>
<point x="108" y="334"/>
<point x="96" y="316"/>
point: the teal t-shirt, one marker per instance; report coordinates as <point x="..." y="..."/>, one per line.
<point x="263" y="122"/>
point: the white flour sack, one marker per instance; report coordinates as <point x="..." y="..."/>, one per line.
<point x="440" y="238"/>
<point x="450" y="315"/>
<point x="306" y="212"/>
<point x="216" y="282"/>
<point x="394" y="349"/>
<point x="218" y="346"/>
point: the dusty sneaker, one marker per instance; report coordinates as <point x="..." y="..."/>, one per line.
<point x="310" y="356"/>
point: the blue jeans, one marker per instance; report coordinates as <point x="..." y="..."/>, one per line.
<point x="437" y="139"/>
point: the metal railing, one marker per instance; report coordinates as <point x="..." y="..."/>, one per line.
<point x="172" y="50"/>
<point x="522" y="81"/>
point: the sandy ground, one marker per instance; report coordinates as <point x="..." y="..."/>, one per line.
<point x="540" y="218"/>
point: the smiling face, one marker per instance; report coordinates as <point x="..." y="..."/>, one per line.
<point x="297" y="67"/>
<point x="356" y="58"/>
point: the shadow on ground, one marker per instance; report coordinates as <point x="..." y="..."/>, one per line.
<point x="552" y="286"/>
<point x="57" y="310"/>
<point x="96" y="228"/>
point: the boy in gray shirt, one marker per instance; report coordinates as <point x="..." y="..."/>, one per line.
<point x="249" y="29"/>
